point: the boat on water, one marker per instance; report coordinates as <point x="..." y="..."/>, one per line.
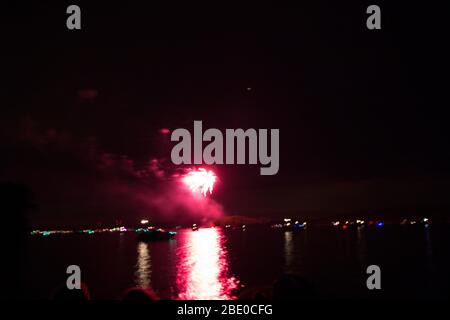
<point x="155" y="235"/>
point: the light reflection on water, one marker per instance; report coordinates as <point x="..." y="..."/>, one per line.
<point x="143" y="266"/>
<point x="288" y="250"/>
<point x="202" y="268"/>
<point x="201" y="265"/>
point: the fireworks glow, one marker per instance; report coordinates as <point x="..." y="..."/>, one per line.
<point x="200" y="181"/>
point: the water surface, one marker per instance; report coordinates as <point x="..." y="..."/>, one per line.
<point x="213" y="263"/>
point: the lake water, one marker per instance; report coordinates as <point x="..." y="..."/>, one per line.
<point x="213" y="263"/>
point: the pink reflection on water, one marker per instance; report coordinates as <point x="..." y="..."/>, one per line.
<point x="203" y="267"/>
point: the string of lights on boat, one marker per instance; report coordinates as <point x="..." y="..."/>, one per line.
<point x="286" y="224"/>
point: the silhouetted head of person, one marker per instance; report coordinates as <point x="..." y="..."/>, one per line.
<point x="292" y="287"/>
<point x="140" y="294"/>
<point x="66" y="294"/>
<point x="256" y="293"/>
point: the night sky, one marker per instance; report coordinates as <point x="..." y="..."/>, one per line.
<point x="361" y="113"/>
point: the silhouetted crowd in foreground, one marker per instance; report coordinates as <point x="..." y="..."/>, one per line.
<point x="286" y="287"/>
<point x="83" y="294"/>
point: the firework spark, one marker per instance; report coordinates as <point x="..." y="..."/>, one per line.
<point x="200" y="180"/>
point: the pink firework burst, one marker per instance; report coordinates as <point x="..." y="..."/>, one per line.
<point x="200" y="180"/>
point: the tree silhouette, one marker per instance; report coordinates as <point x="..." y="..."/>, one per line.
<point x="16" y="203"/>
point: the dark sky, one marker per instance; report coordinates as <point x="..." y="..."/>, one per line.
<point x="361" y="113"/>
